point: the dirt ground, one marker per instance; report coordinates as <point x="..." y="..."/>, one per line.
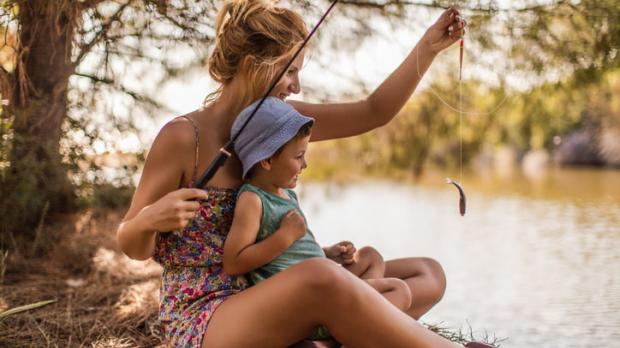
<point x="103" y="299"/>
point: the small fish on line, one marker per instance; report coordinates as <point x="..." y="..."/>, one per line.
<point x="461" y="194"/>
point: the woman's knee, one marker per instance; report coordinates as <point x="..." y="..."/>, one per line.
<point x="331" y="285"/>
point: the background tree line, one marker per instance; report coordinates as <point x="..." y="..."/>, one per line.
<point x="568" y="54"/>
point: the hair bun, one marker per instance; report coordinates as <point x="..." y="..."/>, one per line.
<point x="254" y="28"/>
<point x="236" y="12"/>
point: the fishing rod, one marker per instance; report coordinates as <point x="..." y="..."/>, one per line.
<point x="228" y="148"/>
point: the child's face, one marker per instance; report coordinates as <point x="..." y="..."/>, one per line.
<point x="286" y="166"/>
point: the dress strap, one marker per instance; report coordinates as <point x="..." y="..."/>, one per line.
<point x="196" y="139"/>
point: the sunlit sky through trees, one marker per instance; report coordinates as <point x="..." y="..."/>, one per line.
<point x="341" y="74"/>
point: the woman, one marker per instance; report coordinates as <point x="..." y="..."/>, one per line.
<point x="200" y="304"/>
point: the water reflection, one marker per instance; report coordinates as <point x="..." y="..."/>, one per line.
<point x="537" y="261"/>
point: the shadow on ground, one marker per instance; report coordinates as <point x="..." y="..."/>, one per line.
<point x="103" y="299"/>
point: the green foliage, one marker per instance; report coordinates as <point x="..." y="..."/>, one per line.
<point x="108" y="195"/>
<point x="428" y="132"/>
<point x="425" y="131"/>
<point x="29" y="188"/>
<point x="556" y="109"/>
<point x="570" y="50"/>
<point x="582" y="36"/>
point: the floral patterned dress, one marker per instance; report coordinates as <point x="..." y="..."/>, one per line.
<point x="193" y="281"/>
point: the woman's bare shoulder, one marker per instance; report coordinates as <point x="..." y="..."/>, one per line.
<point x="168" y="161"/>
<point x="177" y="134"/>
<point x="174" y="147"/>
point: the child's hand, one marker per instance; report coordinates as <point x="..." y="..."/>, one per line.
<point x="293" y="226"/>
<point x="342" y="253"/>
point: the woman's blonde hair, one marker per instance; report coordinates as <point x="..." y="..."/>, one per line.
<point x="255" y="28"/>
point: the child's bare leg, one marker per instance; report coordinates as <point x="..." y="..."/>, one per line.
<point x="368" y="264"/>
<point x="394" y="290"/>
<point x="425" y="278"/>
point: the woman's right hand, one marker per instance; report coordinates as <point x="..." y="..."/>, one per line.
<point x="173" y="211"/>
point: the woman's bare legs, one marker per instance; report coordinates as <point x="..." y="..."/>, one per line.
<point x="425" y="278"/>
<point x="288" y="306"/>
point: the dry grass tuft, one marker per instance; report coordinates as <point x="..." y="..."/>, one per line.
<point x="103" y="299"/>
<point x="463" y="336"/>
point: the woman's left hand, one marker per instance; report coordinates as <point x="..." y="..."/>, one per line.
<point x="448" y="29"/>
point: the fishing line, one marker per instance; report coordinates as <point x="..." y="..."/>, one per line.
<point x="458" y="185"/>
<point x="461" y="121"/>
<point x="458" y="109"/>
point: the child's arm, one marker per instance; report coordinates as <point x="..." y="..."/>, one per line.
<point x="241" y="252"/>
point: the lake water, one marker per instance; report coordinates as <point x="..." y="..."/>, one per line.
<point x="535" y="260"/>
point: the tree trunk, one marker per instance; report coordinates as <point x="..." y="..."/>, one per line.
<point x="36" y="185"/>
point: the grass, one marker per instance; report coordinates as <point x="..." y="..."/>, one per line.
<point x="4" y="315"/>
<point x="462" y="336"/>
<point x="99" y="298"/>
<point x="4" y="255"/>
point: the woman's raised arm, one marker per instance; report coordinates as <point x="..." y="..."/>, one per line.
<point x="348" y="119"/>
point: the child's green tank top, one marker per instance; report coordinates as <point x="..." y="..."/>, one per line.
<point x="274" y="209"/>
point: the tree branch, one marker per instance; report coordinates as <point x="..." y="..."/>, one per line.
<point x="133" y="94"/>
<point x="87" y="4"/>
<point x="386" y="4"/>
<point x="85" y="49"/>
<point x="396" y="3"/>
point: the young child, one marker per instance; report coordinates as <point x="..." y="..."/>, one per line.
<point x="269" y="231"/>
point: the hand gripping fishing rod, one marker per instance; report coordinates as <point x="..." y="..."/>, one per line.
<point x="228" y="148"/>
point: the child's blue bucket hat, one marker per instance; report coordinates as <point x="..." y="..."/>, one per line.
<point x="273" y="125"/>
